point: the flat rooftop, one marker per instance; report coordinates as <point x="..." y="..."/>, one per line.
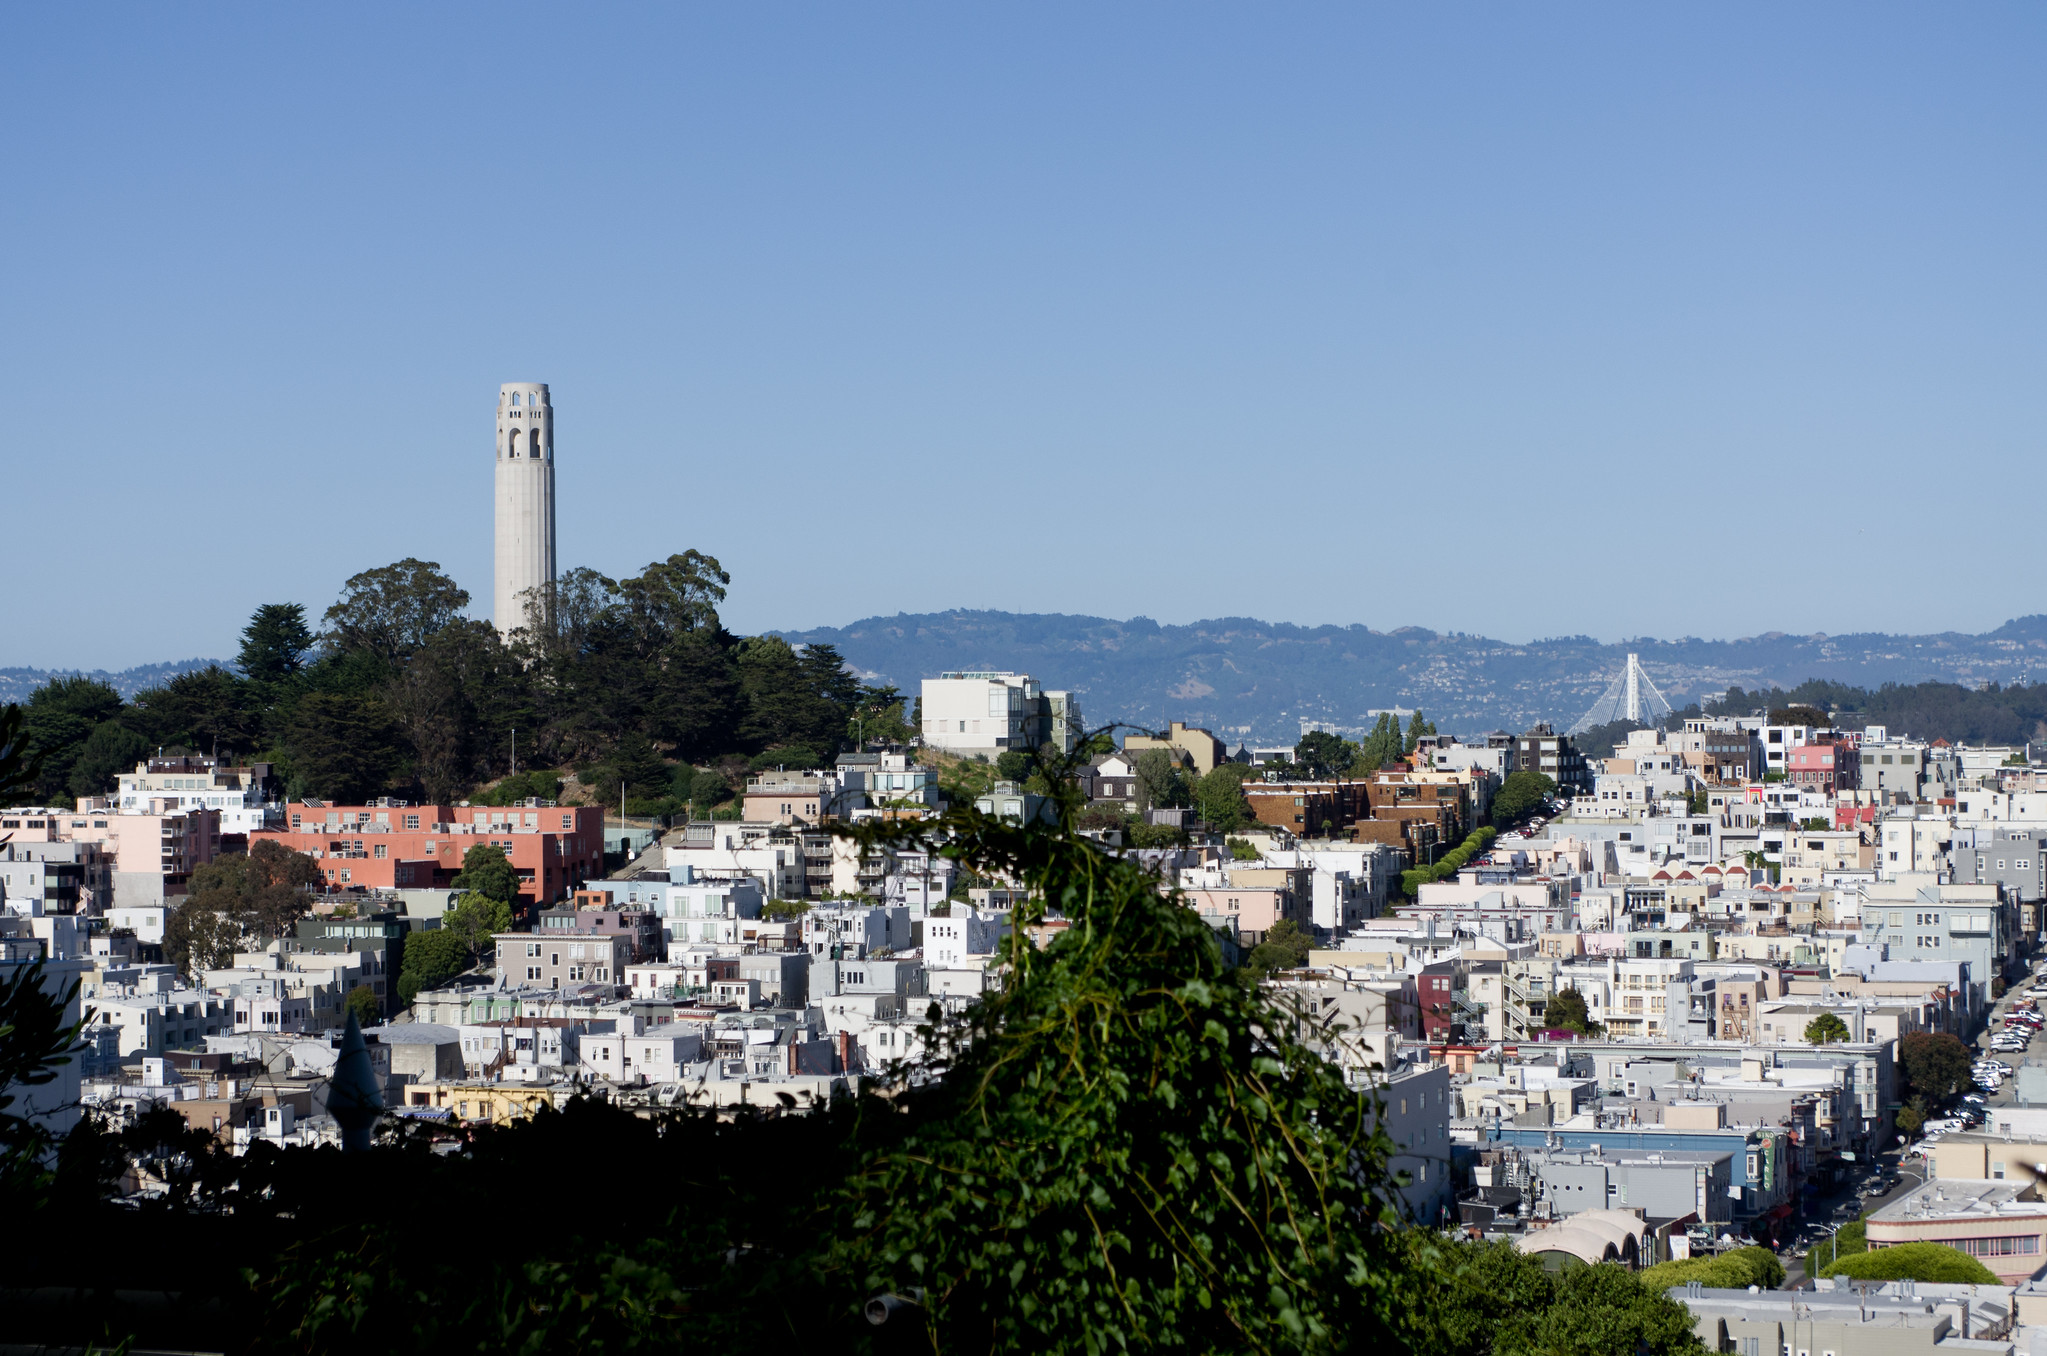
<point x="1963" y="1198"/>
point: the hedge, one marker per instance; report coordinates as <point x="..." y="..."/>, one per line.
<point x="1934" y="1263"/>
<point x="1412" y="879"/>
<point x="1735" y="1270"/>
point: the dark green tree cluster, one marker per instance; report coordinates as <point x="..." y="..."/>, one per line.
<point x="1491" y="1299"/>
<point x="1286" y="947"/>
<point x="1936" y="1064"/>
<point x="1950" y="711"/>
<point x="1521" y="794"/>
<point x="634" y="683"/>
<point x="1320" y="755"/>
<point x="467" y="934"/>
<point x="237" y="898"/>
<point x="1566" y="1011"/>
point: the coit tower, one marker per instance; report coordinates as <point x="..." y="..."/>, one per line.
<point x="525" y="500"/>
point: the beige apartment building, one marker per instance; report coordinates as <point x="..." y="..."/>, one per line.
<point x="534" y="960"/>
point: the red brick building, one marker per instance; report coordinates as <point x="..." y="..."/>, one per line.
<point x="392" y="845"/>
<point x="1308" y="809"/>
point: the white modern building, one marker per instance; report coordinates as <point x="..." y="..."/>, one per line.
<point x="723" y="849"/>
<point x="165" y="785"/>
<point x="525" y="501"/>
<point x="990" y="712"/>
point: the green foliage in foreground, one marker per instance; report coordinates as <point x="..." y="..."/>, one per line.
<point x="1733" y="1270"/>
<point x="1471" y="1299"/>
<point x="1930" y="1262"/>
<point x="1121" y="1145"/>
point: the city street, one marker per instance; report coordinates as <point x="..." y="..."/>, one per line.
<point x="1906" y="1163"/>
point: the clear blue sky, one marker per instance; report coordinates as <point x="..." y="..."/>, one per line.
<point x="1732" y="314"/>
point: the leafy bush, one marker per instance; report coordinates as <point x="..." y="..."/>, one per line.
<point x="701" y="787"/>
<point x="543" y="783"/>
<point x="1491" y="1299"/>
<point x="794" y="757"/>
<point x="1734" y="1270"/>
<point x="1285" y="947"/>
<point x="1851" y="1238"/>
<point x="1934" y="1263"/>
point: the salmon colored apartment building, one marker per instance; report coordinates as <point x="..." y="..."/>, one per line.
<point x="392" y="845"/>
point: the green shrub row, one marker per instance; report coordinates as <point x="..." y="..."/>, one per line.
<point x="1934" y="1263"/>
<point x="1736" y="1270"/>
<point x="1412" y="879"/>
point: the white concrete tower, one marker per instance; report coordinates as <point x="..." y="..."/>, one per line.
<point x="525" y="500"/>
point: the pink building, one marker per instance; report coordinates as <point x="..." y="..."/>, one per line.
<point x="1994" y="1221"/>
<point x="1256" y="908"/>
<point x="1830" y="766"/>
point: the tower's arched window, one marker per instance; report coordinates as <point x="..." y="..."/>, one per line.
<point x="515" y="398"/>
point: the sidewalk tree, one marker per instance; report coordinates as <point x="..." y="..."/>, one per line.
<point x="1937" y="1065"/>
<point x="1219" y="797"/>
<point x="1523" y="791"/>
<point x="1285" y="947"/>
<point x="362" y="1001"/>
<point x="488" y="872"/>
<point x="1566" y="1011"/>
<point x="1933" y="1263"/>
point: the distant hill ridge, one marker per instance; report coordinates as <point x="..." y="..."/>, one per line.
<point x="16" y="684"/>
<point x="1259" y="680"/>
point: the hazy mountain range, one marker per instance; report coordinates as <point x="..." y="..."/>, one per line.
<point x="16" y="684"/>
<point x="1260" y="680"/>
